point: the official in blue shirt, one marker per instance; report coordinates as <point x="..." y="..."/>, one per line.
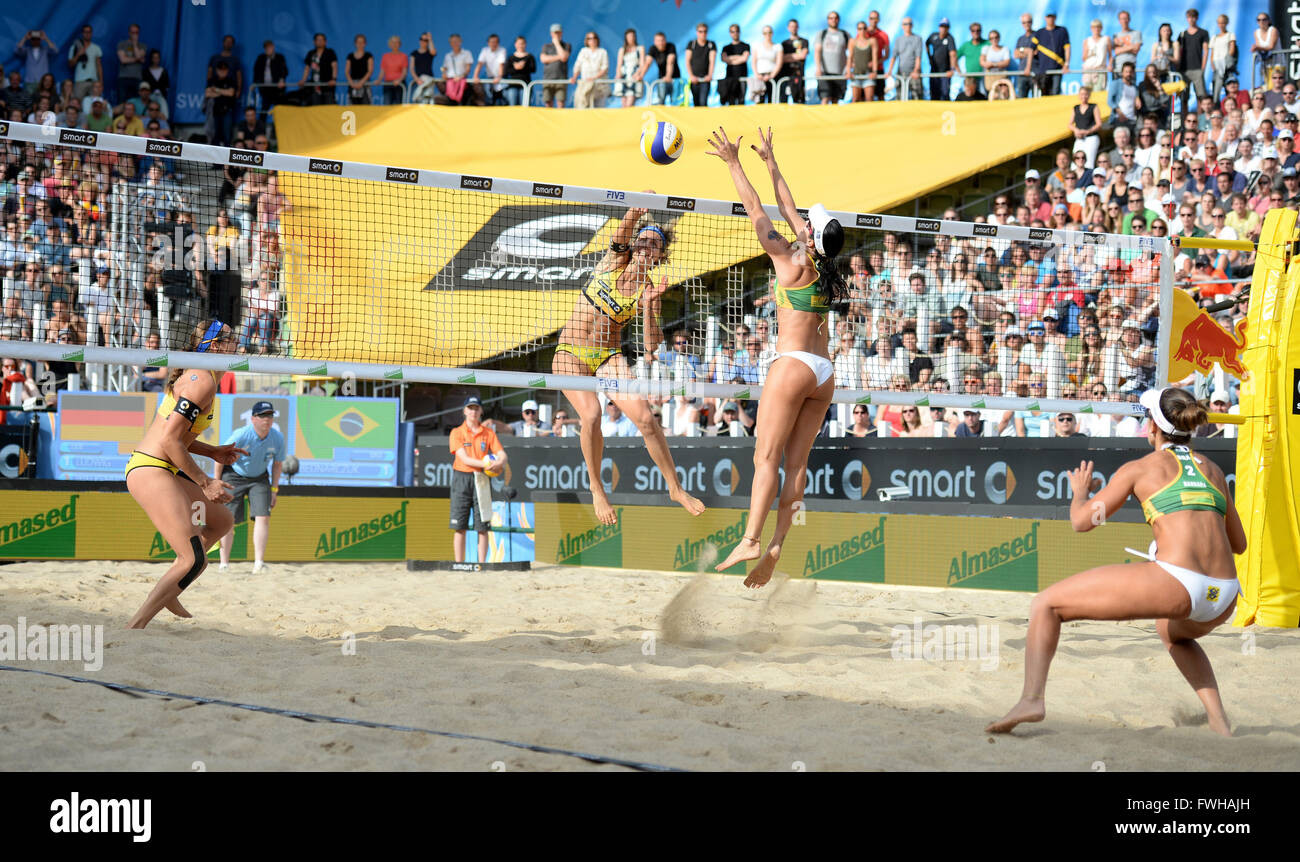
<point x="256" y="476"/>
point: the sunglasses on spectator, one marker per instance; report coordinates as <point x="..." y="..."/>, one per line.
<point x="526" y="412"/>
<point x="1064" y="418"/>
<point x="857" y="411"/>
<point x="1037" y="385"/>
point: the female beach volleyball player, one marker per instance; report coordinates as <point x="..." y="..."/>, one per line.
<point x="797" y="393"/>
<point x="590" y="345"/>
<point x="165" y="481"/>
<point x="1191" y="585"/>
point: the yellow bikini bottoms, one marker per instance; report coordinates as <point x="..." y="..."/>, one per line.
<point x="594" y="357"/>
<point x="143" y="459"/>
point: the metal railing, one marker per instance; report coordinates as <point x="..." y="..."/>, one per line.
<point x="810" y="85"/>
<point x="1277" y="57"/>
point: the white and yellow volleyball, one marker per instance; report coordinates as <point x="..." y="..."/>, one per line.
<point x="491" y="469"/>
<point x="662" y="143"/>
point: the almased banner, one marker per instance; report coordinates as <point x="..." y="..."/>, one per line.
<point x="108" y="525"/>
<point x="1018" y="554"/>
<point x="1000" y="471"/>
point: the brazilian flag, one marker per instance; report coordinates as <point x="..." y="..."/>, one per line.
<point x="324" y="423"/>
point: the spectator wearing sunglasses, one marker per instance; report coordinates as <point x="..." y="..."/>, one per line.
<point x="1066" y="425"/>
<point x="529" y="426"/>
<point x="1219" y="403"/>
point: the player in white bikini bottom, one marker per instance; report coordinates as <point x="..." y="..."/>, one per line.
<point x="820" y="365"/>
<point x="1210" y="596"/>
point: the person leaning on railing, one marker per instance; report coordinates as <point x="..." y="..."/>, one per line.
<point x="590" y="69"/>
<point x="392" y="71"/>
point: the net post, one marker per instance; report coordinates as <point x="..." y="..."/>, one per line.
<point x="1164" y="335"/>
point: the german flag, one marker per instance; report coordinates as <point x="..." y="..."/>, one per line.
<point x="122" y="419"/>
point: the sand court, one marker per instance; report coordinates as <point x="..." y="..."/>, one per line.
<point x="689" y="672"/>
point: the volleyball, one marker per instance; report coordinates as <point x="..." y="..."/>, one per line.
<point x="662" y="144"/>
<point x="491" y="469"/>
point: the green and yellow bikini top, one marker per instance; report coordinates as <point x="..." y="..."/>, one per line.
<point x="806" y="298"/>
<point x="1189" y="490"/>
<point x="603" y="293"/>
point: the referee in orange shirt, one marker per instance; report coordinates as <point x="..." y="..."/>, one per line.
<point x="472" y="445"/>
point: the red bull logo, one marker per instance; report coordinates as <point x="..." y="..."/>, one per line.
<point x="1199" y="342"/>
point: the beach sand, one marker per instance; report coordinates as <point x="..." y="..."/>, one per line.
<point x="690" y="672"/>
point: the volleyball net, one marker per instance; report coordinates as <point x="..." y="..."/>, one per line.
<point x="338" y="269"/>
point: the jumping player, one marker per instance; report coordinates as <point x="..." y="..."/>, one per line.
<point x="170" y="487"/>
<point x="590" y="346"/>
<point x="1189" y="588"/>
<point x="797" y="393"/>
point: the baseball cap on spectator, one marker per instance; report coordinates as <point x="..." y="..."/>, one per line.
<point x="1225" y="157"/>
<point x="943" y="22"/>
<point x="144" y="85"/>
<point x="1013" y="330"/>
<point x="1286" y="133"/>
<point x="1130" y="323"/>
<point x="1270" y="153"/>
<point x="1202" y="260"/>
<point x="1288" y="172"/>
<point x="1051" y="314"/>
<point x="1060" y="208"/>
<point x="730" y="405"/>
<point x="1169" y="201"/>
<point x="556" y="28"/>
<point x="263" y="408"/>
<point x="530" y="404"/>
<point x="472" y="401"/>
<point x="1219" y="395"/>
<point x="1030" y="174"/>
<point x="1037" y="326"/>
<point x="1092" y="190"/>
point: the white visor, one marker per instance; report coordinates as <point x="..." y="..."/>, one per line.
<point x="820" y="219"/>
<point x="1151" y="401"/>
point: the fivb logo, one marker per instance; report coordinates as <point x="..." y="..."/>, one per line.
<point x="946" y="643"/>
<point x="81" y="643"/>
<point x="133" y="816"/>
<point x="325" y="166"/>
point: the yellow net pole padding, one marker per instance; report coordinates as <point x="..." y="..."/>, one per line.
<point x="1226" y="418"/>
<point x="1211" y="242"/>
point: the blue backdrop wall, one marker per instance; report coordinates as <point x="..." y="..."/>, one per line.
<point x="189" y="31"/>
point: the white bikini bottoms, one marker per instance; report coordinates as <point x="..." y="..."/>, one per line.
<point x="821" y="367"/>
<point x="1210" y="596"/>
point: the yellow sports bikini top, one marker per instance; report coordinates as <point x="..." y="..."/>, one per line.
<point x="602" y="292"/>
<point x="200" y="424"/>
<point x="806" y="298"/>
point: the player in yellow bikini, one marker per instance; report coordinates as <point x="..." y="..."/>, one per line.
<point x="796" y="393"/>
<point x="170" y="487"/>
<point x="1189" y="588"/>
<point x="590" y="346"/>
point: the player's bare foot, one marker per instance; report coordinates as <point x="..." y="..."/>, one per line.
<point x="178" y="609"/>
<point x="746" y="549"/>
<point x="1027" y="710"/>
<point x="687" y="502"/>
<point x="762" y="573"/>
<point x="1220" y="725"/>
<point x="604" y="511"/>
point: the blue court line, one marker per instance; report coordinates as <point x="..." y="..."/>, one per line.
<point x="311" y="716"/>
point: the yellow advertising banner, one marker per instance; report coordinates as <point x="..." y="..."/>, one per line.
<point x="1017" y="554"/>
<point x="101" y="525"/>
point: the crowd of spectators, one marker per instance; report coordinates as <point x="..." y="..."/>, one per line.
<point x="1185" y="152"/>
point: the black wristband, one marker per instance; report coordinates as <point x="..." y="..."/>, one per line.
<point x="619" y="247"/>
